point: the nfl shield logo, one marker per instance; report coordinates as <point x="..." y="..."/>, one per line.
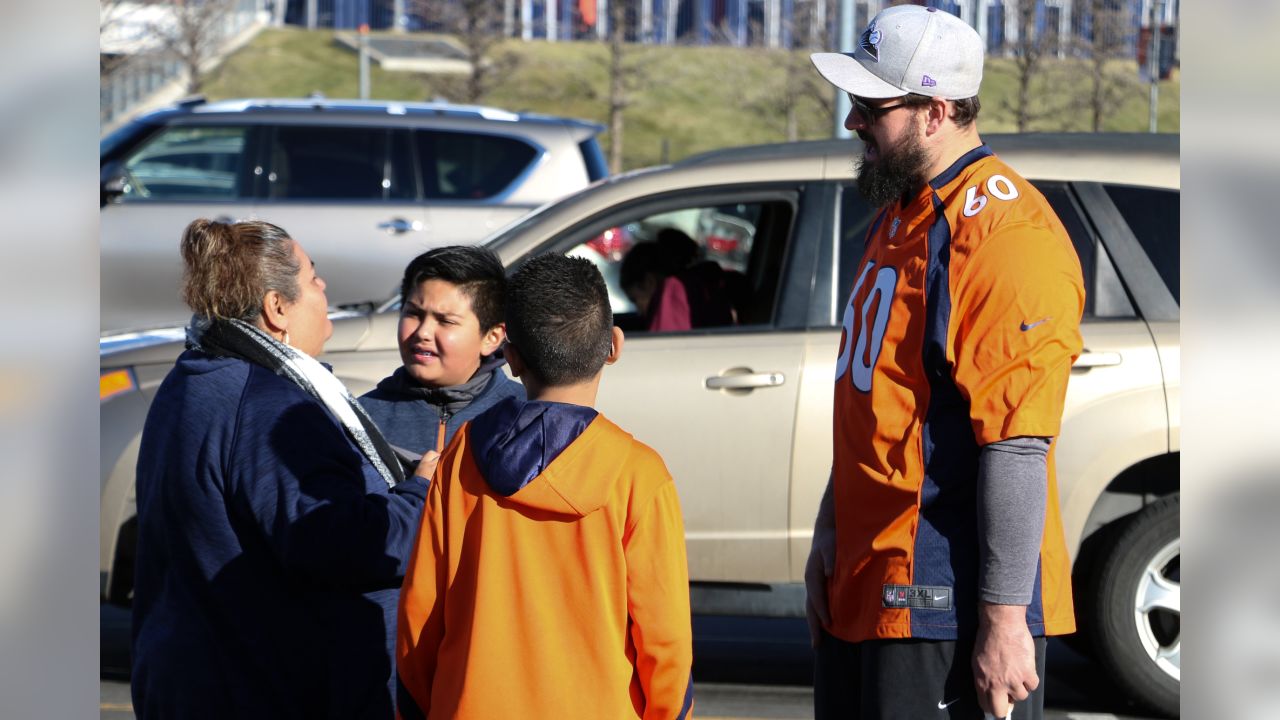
<point x="870" y="41"/>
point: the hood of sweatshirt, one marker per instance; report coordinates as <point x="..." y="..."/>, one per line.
<point x="551" y="456"/>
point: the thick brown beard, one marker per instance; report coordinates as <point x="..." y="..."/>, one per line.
<point x="897" y="174"/>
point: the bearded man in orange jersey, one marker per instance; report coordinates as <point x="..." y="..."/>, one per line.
<point x="938" y="564"/>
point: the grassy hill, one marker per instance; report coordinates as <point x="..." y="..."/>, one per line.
<point x="683" y="100"/>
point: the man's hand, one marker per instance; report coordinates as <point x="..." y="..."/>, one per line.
<point x="427" y="465"/>
<point x="1004" y="658"/>
<point x="818" y="569"/>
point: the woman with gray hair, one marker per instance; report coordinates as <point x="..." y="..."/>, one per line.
<point x="274" y="521"/>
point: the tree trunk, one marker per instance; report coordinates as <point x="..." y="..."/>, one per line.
<point x="791" y="95"/>
<point x="1027" y="60"/>
<point x="617" y="87"/>
<point x="193" y="57"/>
<point x="1097" y="89"/>
<point x="1024" y="97"/>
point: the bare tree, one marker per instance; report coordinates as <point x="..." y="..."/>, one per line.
<point x="617" y="82"/>
<point x="1028" y="56"/>
<point x="797" y="86"/>
<point x="110" y="18"/>
<point x="110" y="15"/>
<point x="478" y="25"/>
<point x="193" y="32"/>
<point x="1108" y="85"/>
<point x="628" y="70"/>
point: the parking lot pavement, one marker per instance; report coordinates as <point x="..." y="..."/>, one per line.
<point x="114" y="703"/>
<point x="715" y="701"/>
<point x="734" y="684"/>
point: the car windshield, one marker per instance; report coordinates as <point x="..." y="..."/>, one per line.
<point x="117" y="137"/>
<point x="499" y="237"/>
<point x="504" y="234"/>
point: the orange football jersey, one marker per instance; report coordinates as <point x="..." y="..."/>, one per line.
<point x="960" y="331"/>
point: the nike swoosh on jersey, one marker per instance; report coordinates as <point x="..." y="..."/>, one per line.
<point x="945" y="705"/>
<point x="1027" y="326"/>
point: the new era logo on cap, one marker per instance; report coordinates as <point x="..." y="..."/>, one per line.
<point x="909" y="49"/>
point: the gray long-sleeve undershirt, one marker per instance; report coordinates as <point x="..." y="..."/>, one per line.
<point x="1013" y="490"/>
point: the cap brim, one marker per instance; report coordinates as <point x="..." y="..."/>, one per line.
<point x="846" y="73"/>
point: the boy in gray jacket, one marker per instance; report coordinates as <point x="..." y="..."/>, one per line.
<point x="450" y="336"/>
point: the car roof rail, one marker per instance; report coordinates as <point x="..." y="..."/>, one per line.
<point x="318" y="102"/>
<point x="191" y="101"/>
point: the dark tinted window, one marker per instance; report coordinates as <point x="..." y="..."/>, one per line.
<point x="468" y="166"/>
<point x="333" y="163"/>
<point x="111" y="145"/>
<point x="188" y="163"/>
<point x="404" y="181"/>
<point x="1152" y="215"/>
<point x="1104" y="295"/>
<point x="855" y="219"/>
<point x="593" y="156"/>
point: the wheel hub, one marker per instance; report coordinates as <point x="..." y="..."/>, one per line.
<point x="1157" y="610"/>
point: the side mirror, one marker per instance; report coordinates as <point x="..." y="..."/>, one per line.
<point x="113" y="181"/>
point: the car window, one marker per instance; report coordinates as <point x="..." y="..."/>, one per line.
<point x="855" y="219"/>
<point x="1105" y="296"/>
<point x="188" y="163"/>
<point x="1153" y="216"/>
<point x="470" y="166"/>
<point x="334" y="163"/>
<point x="692" y="268"/>
<point x="401" y="169"/>
<point x="593" y="159"/>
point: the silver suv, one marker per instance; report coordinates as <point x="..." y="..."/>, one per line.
<point x="742" y="412"/>
<point x="366" y="185"/>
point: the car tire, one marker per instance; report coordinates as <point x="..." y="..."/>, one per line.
<point x="1135" y="616"/>
<point x="1096" y="548"/>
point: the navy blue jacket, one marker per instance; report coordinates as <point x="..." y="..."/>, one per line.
<point x="411" y="422"/>
<point x="270" y="554"/>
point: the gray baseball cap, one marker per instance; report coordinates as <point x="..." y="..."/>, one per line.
<point x="909" y="49"/>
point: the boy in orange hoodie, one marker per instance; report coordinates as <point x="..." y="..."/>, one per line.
<point x="549" y="578"/>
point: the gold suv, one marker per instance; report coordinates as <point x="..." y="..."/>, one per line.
<point x="741" y="411"/>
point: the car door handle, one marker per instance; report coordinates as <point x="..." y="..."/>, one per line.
<point x="744" y="380"/>
<point x="399" y="226"/>
<point x="1088" y="360"/>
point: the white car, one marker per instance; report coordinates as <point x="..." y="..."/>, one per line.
<point x="366" y="185"/>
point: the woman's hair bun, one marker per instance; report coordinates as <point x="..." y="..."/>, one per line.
<point x="229" y="267"/>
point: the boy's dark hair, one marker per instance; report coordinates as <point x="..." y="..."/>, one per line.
<point x="558" y="318"/>
<point x="475" y="271"/>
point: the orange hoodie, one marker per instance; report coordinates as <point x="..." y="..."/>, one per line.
<point x="549" y="579"/>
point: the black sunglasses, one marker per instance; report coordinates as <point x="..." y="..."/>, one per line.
<point x="873" y="114"/>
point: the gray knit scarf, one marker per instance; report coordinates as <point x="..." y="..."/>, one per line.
<point x="235" y="338"/>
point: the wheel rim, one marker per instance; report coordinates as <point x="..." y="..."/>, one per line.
<point x="1158" y="610"/>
